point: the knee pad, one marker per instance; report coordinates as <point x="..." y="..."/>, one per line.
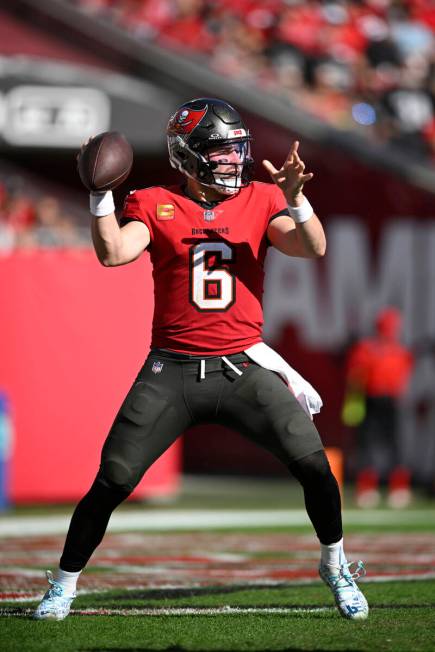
<point x="114" y="474"/>
<point x="312" y="468"/>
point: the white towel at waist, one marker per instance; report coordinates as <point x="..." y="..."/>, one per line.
<point x="301" y="388"/>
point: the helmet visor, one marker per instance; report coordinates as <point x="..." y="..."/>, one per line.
<point x="229" y="153"/>
<point x="228" y="163"/>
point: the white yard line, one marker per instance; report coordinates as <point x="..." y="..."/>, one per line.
<point x="200" y="611"/>
<point x="181" y="611"/>
<point x="155" y="520"/>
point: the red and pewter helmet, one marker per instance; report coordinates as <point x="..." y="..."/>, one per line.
<point x="202" y="124"/>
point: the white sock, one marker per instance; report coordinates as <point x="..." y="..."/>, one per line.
<point x="333" y="554"/>
<point x="67" y="580"/>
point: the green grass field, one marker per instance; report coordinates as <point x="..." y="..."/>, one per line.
<point x="228" y="589"/>
<point x="402" y="618"/>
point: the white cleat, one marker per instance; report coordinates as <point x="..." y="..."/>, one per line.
<point x="55" y="605"/>
<point x="350" y="601"/>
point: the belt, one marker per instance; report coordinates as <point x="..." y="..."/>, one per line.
<point x="226" y="360"/>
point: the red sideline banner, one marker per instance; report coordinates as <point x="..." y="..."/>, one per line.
<point x="73" y="337"/>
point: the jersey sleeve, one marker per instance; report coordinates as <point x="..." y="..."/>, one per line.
<point x="135" y="209"/>
<point x="278" y="204"/>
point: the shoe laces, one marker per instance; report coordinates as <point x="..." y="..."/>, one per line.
<point x="55" y="590"/>
<point x="347" y="574"/>
<point x="359" y="571"/>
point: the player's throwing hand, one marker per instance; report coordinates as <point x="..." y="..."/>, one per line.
<point x="290" y="178"/>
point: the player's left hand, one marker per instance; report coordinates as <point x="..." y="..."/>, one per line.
<point x="291" y="177"/>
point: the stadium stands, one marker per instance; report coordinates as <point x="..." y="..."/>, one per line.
<point x="31" y="218"/>
<point x="366" y="65"/>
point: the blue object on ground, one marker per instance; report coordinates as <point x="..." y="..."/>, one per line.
<point x="5" y="448"/>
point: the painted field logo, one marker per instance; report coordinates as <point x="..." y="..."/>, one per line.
<point x="157" y="367"/>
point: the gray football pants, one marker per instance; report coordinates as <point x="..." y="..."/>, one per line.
<point x="174" y="392"/>
<point x="169" y="395"/>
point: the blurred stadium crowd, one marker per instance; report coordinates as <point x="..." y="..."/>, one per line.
<point x="31" y="220"/>
<point x="364" y="65"/>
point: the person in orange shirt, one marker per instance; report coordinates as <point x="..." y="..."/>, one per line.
<point x="379" y="369"/>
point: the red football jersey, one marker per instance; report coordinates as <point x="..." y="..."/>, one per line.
<point x="207" y="265"/>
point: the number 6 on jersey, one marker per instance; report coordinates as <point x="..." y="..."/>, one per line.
<point x="212" y="288"/>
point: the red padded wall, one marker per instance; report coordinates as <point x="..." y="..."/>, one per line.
<point x="73" y="336"/>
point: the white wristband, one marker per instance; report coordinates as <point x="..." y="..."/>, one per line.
<point x="301" y="213"/>
<point x="101" y="203"/>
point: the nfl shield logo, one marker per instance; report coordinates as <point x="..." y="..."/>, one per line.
<point x="157" y="367"/>
<point x="208" y="216"/>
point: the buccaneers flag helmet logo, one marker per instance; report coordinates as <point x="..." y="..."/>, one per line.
<point x="185" y="120"/>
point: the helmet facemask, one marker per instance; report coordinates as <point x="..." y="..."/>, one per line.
<point x="229" y="165"/>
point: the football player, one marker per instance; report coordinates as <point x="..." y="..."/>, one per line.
<point x="207" y="239"/>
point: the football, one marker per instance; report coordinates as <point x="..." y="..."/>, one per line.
<point x="105" y="161"/>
